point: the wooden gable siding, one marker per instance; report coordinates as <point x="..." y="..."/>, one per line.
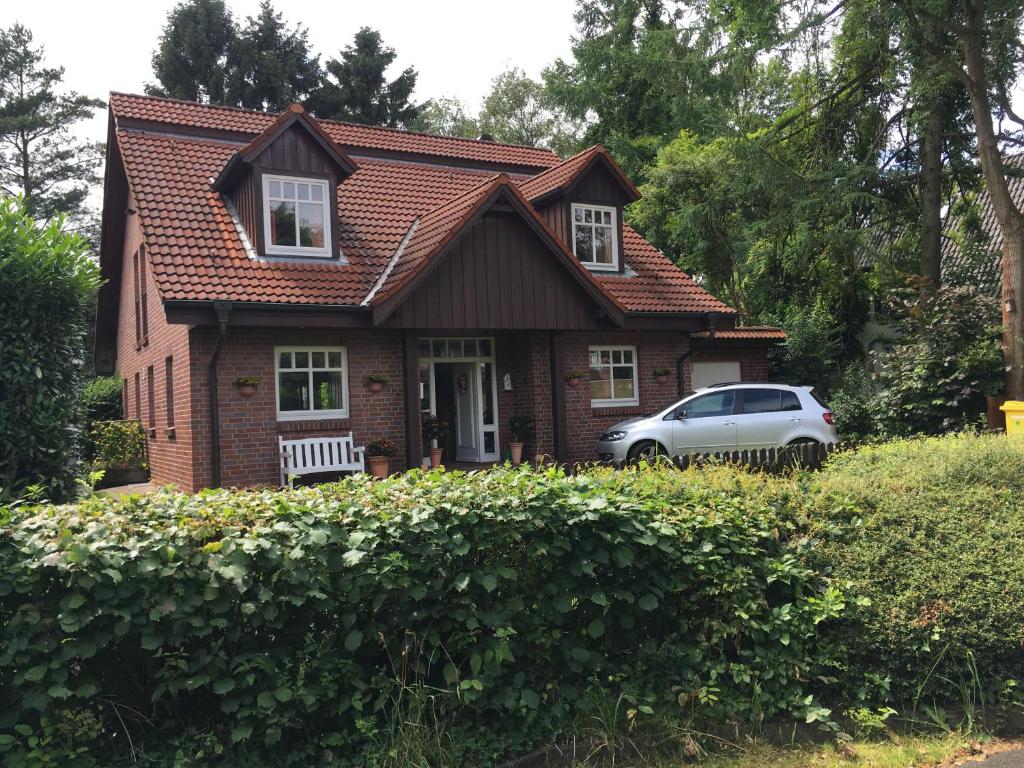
<point x="294" y="153"/>
<point x="597" y="186"/>
<point x="498" y="275"/>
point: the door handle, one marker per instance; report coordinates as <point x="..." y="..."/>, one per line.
<point x="796" y="418"/>
<point x="728" y="423"/>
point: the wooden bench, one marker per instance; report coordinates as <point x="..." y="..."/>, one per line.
<point x="319" y="454"/>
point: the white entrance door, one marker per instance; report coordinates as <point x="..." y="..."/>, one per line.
<point x="709" y="374"/>
<point x="467" y="407"/>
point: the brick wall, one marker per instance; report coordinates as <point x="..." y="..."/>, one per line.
<point x="170" y="458"/>
<point x="249" y="427"/>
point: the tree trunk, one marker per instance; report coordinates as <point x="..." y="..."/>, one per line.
<point x="931" y="198"/>
<point x="1011" y="222"/>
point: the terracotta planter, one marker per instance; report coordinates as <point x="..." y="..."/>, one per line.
<point x="517" y="453"/>
<point x="662" y="379"/>
<point x="575" y="382"/>
<point x="375" y="386"/>
<point x="539" y="459"/>
<point x="247" y="390"/>
<point x="435" y="457"/>
<point x="379" y="466"/>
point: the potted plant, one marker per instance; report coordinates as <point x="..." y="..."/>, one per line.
<point x="661" y="375"/>
<point x="435" y="431"/>
<point x="379" y="454"/>
<point x="573" y="378"/>
<point x="247" y="385"/>
<point x="522" y="429"/>
<point x="375" y="382"/>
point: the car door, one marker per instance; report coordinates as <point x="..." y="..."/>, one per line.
<point x="761" y="421"/>
<point x="705" y="424"/>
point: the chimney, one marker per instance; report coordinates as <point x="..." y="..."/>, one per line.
<point x="486" y="137"/>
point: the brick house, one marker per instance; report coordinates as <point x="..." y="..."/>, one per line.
<point x="310" y="254"/>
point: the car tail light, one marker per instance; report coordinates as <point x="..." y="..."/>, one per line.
<point x="829" y="418"/>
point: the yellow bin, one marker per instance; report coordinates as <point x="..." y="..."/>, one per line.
<point x="1014" y="410"/>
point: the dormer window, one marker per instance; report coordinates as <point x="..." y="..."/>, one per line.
<point x="595" y="236"/>
<point x="296" y="216"/>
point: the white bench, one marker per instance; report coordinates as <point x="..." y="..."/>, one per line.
<point x="319" y="454"/>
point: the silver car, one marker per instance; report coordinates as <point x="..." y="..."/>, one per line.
<point x="726" y="417"/>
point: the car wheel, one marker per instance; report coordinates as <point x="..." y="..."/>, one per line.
<point x="647" y="450"/>
<point x="803" y="441"/>
<point x="795" y="458"/>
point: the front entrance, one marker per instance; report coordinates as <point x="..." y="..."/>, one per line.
<point x="457" y="384"/>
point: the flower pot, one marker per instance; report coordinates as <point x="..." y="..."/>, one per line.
<point x="379" y="466"/>
<point x="574" y="382"/>
<point x="375" y="386"/>
<point x="662" y="378"/>
<point x="247" y="390"/>
<point x="435" y="457"/>
<point x="517" y="453"/>
<point x="539" y="459"/>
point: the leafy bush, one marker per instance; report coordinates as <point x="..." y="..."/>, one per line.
<point x="810" y="354"/>
<point x="101" y="399"/>
<point x="296" y="627"/>
<point x="930" y="530"/>
<point x="46" y="284"/>
<point x="853" y="403"/>
<point x="937" y="379"/>
<point x="119" y="445"/>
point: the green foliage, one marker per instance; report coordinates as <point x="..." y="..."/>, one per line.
<point x="927" y="530"/>
<point x="523" y="428"/>
<point x="304" y="627"/>
<point x="191" y="59"/>
<point x="40" y="159"/>
<point x="445" y="116"/>
<point x="810" y="354"/>
<point x="359" y="91"/>
<point x="46" y="285"/>
<point x="382" y="447"/>
<point x="119" y="444"/>
<point x="375" y="378"/>
<point x="436" y="429"/>
<point x="518" y="111"/>
<point x="852" y="403"/>
<point x="937" y="379"/>
<point x="101" y="399"/>
<point x="247" y="381"/>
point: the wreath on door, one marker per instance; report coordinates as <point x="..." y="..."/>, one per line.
<point x="462" y="382"/>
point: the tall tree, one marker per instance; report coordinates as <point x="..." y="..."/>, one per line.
<point x="191" y="58"/>
<point x="518" y="111"/>
<point x="446" y="116"/>
<point x="40" y="159"/>
<point x="270" y="66"/>
<point x="357" y="90"/>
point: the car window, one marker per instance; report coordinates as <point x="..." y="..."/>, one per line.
<point x="790" y="402"/>
<point x="715" y="404"/>
<point x="761" y="401"/>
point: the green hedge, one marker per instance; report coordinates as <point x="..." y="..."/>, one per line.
<point x="290" y="627"/>
<point x="119" y="445"/>
<point x="932" y="532"/>
<point x="47" y="280"/>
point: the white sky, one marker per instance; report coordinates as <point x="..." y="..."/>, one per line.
<point x="456" y="46"/>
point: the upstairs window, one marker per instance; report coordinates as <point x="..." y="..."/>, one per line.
<point x="296" y="216"/>
<point x="595" y="236"/>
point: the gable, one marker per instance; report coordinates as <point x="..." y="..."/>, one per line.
<point x="499" y="274"/>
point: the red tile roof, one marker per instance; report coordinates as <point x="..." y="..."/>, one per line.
<point x="197" y="253"/>
<point x="561" y="176"/>
<point x="745" y="333"/>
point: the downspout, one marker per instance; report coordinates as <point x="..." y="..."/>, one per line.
<point x="223" y="310"/>
<point x="712" y="320"/>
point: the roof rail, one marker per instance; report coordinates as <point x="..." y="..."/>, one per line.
<point x="724" y="384"/>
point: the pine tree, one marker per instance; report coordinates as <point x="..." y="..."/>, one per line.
<point x="359" y="92"/>
<point x="271" y="66"/>
<point x="190" y="61"/>
<point x="39" y="158"/>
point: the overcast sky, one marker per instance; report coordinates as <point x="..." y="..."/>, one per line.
<point x="456" y="46"/>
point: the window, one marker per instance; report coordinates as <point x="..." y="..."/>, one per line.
<point x="595" y="236"/>
<point x="312" y="383"/>
<point x="769" y="401"/>
<point x="144" y="295"/>
<point x="138" y="398"/>
<point x="169" y="386"/>
<point x="141" y="294"/>
<point x="613" y="379"/>
<point x="125" y="404"/>
<point x="151" y="399"/>
<point x="296" y="216"/>
<point x="705" y="406"/>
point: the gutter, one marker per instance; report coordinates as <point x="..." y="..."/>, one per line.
<point x="223" y="310"/>
<point x="680" y="369"/>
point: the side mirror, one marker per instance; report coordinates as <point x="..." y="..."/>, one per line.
<point x="680" y="415"/>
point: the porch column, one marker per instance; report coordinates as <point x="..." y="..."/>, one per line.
<point x="559" y="425"/>
<point x="411" y="382"/>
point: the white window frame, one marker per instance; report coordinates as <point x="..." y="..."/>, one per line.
<point x="297" y="250"/>
<point x="592" y="264"/>
<point x="614" y="402"/>
<point x="310" y="415"/>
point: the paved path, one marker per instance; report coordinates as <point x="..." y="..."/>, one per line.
<point x="1014" y="759"/>
<point x="136" y="489"/>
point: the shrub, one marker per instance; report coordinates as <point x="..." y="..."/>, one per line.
<point x="289" y="628"/>
<point x="119" y="445"/>
<point x="810" y="354"/>
<point x="46" y="283"/>
<point x="853" y="403"/>
<point x="101" y="399"/>
<point x="929" y="530"/>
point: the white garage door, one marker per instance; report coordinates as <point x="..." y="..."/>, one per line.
<point x="709" y="374"/>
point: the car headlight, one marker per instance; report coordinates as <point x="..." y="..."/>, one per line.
<point x="611" y="437"/>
